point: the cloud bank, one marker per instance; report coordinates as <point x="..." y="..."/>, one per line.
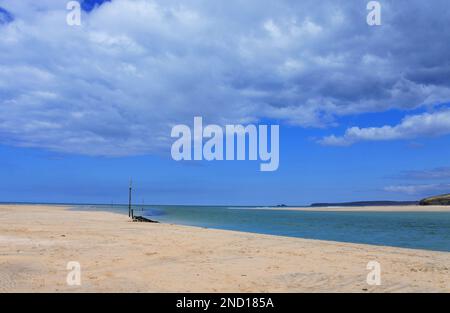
<point x="430" y="174"/>
<point x="422" y="125"/>
<point x="425" y="189"/>
<point x="116" y="84"/>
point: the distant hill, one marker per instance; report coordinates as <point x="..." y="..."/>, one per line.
<point x="436" y="200"/>
<point x="366" y="203"/>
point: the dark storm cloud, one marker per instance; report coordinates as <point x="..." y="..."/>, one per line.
<point x="116" y="84"/>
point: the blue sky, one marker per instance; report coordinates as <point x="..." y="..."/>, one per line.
<point x="364" y="112"/>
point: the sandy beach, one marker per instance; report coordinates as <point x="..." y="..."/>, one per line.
<point x="116" y="255"/>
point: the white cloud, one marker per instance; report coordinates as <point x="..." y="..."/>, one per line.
<point x="429" y="174"/>
<point x="419" y="189"/>
<point x="115" y="85"/>
<point x="421" y="125"/>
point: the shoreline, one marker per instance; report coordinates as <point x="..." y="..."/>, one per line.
<point x="369" y="208"/>
<point x="392" y="208"/>
<point x="117" y="255"/>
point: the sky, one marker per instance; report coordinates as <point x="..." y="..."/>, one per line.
<point x="364" y="111"/>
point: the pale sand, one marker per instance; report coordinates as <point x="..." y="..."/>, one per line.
<point x="36" y="242"/>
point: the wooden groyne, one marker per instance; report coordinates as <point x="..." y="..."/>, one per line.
<point x="142" y="219"/>
<point x="136" y="218"/>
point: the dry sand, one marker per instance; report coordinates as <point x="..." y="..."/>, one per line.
<point x="37" y="242"/>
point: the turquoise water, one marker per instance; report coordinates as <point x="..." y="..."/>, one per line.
<point x="418" y="230"/>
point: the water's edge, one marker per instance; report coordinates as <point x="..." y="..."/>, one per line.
<point x="414" y="230"/>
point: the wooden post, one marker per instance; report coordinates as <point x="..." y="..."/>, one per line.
<point x="129" y="198"/>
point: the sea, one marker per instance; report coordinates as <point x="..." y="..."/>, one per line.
<point x="416" y="230"/>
